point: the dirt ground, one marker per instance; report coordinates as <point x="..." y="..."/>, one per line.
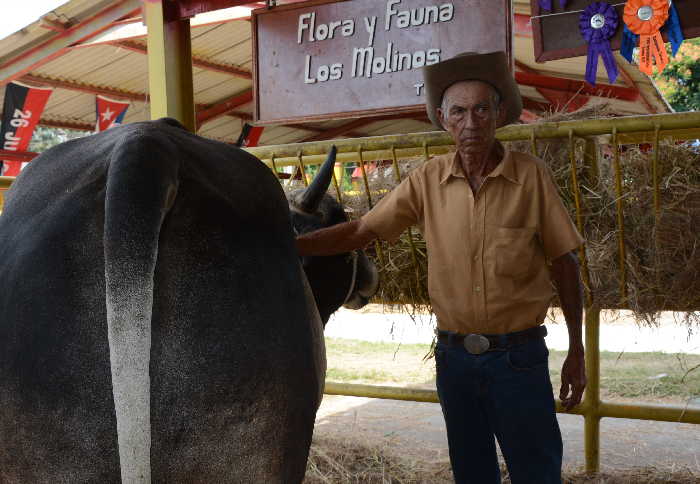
<point x="418" y="430"/>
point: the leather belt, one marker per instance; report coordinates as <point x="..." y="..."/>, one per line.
<point x="477" y="344"/>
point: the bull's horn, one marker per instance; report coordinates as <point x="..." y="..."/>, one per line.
<point x="314" y="193"/>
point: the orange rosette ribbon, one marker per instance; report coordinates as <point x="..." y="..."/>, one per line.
<point x="645" y="18"/>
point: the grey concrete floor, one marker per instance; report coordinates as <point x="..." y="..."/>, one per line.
<point x="418" y="429"/>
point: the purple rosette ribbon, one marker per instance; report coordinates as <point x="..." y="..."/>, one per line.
<point x="598" y="23"/>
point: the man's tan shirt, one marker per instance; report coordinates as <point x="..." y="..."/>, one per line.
<point x="487" y="253"/>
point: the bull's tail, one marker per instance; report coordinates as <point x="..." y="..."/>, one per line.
<point x="141" y="188"/>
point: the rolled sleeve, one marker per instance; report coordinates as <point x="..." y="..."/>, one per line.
<point x="556" y="229"/>
<point x="395" y="212"/>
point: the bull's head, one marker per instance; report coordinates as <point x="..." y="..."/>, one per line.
<point x="348" y="280"/>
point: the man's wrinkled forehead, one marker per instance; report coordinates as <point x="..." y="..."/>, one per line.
<point x="474" y="90"/>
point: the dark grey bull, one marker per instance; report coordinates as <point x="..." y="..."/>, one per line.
<point x="155" y="322"/>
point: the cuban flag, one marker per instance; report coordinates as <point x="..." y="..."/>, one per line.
<point x="250" y="135"/>
<point x="109" y="112"/>
<point x="22" y="110"/>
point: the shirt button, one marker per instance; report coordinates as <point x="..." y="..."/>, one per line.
<point x="476" y="258"/>
<point x="477" y="288"/>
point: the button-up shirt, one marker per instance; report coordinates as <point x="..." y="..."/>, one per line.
<point x="488" y="252"/>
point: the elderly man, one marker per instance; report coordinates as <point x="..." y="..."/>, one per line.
<point x="497" y="236"/>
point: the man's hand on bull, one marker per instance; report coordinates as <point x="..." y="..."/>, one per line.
<point x="338" y="239"/>
<point x="573" y="378"/>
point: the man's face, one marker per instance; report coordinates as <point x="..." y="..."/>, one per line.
<point x="471" y="112"/>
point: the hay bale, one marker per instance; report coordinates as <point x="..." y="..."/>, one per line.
<point x="662" y="253"/>
<point x="347" y="459"/>
<point x="663" y="257"/>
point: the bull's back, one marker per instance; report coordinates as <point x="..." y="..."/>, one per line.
<point x="234" y="361"/>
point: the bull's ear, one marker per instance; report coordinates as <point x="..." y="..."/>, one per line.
<point x="313" y="195"/>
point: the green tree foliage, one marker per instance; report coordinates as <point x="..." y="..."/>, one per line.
<point x="680" y="81"/>
<point x="45" y="138"/>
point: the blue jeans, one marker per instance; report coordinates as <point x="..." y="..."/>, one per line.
<point x="506" y="394"/>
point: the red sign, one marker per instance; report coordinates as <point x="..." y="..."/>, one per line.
<point x="22" y="110"/>
<point x="329" y="59"/>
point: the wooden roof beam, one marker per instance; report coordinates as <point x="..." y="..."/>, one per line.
<point x="522" y="25"/>
<point x="338" y="130"/>
<point x="196" y="61"/>
<point x="7" y="155"/>
<point x="224" y="107"/>
<point x="72" y="125"/>
<point x="55" y="25"/>
<point x="528" y="116"/>
<point x="556" y="99"/>
<point x="532" y="105"/>
<point x="57" y="45"/>
<point x="189" y="8"/>
<point x="574" y="86"/>
<point x="133" y="28"/>
<point x="206" y="112"/>
<point x="345" y="128"/>
<point x="86" y="88"/>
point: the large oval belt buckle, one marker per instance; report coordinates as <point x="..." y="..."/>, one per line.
<point x="476" y="344"/>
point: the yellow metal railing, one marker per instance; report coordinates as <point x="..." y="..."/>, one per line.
<point x="615" y="131"/>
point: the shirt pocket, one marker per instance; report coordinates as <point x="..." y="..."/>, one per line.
<point x="514" y="251"/>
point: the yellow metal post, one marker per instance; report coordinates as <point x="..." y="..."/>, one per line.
<point x="411" y="242"/>
<point x="274" y="167"/>
<point x="655" y="170"/>
<point x="619" y="203"/>
<point x="169" y="65"/>
<point x="591" y="401"/>
<point x="302" y="169"/>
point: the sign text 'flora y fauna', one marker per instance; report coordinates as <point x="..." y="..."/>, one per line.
<point x="336" y="58"/>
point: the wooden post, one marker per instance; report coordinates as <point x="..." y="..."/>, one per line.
<point x="169" y="65"/>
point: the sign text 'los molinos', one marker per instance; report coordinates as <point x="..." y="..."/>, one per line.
<point x="333" y="59"/>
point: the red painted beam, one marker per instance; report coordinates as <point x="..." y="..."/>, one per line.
<point x="196" y="61"/>
<point x="74" y="125"/>
<point x="528" y="117"/>
<point x="532" y="105"/>
<point x="522" y="26"/>
<point x="223" y="108"/>
<point x="358" y="123"/>
<point x="106" y="91"/>
<point x="559" y="101"/>
<point x="572" y="86"/>
<point x="17" y="155"/>
<point x="86" y="88"/>
<point x="338" y="130"/>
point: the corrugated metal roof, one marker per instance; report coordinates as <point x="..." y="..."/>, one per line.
<point x="228" y="44"/>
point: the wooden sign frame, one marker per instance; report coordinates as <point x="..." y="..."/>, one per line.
<point x="556" y="33"/>
<point x="349" y="113"/>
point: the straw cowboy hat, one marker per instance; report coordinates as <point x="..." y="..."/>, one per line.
<point x="492" y="68"/>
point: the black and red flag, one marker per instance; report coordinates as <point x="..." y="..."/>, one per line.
<point x="21" y="113"/>
<point x="250" y="135"/>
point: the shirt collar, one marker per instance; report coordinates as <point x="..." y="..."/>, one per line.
<point x="506" y="168"/>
